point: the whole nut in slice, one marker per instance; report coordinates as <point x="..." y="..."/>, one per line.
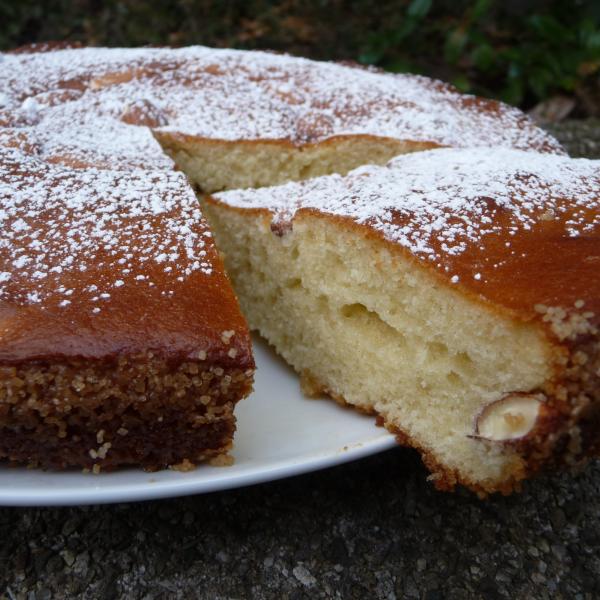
<point x="511" y="418"/>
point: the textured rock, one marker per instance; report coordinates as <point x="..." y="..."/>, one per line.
<point x="372" y="529"/>
<point x="581" y="138"/>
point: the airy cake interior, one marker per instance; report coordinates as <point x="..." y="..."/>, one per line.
<point x="219" y="165"/>
<point x="390" y="339"/>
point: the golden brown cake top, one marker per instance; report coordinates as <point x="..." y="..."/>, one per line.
<point x="519" y="229"/>
<point x="86" y="103"/>
<point x="95" y="263"/>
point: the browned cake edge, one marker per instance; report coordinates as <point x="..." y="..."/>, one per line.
<point x="131" y="410"/>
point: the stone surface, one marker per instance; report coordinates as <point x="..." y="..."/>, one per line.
<point x="580" y="138"/>
<point x="372" y="529"/>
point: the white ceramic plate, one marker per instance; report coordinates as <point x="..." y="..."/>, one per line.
<point x="280" y="433"/>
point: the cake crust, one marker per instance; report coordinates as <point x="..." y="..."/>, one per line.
<point x="100" y="415"/>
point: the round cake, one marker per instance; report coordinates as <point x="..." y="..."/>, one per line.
<point x="437" y="289"/>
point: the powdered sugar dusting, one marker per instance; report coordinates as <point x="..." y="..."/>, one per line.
<point x="84" y="186"/>
<point x="61" y="225"/>
<point x="105" y="95"/>
<point x="440" y="203"/>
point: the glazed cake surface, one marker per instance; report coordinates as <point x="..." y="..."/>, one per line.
<point x="432" y="292"/>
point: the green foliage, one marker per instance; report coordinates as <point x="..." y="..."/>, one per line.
<point x="522" y="51"/>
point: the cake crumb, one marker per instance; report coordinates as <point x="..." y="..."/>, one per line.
<point x="227" y="335"/>
<point x="223" y="460"/>
<point x="185" y="466"/>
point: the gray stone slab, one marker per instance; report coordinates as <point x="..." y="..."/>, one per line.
<point x="372" y="529"/>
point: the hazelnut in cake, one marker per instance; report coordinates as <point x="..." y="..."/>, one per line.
<point x="121" y="341"/>
<point x="454" y="293"/>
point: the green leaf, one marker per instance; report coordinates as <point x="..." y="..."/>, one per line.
<point x="548" y="28"/>
<point x="462" y="83"/>
<point x="455" y="45"/>
<point x="419" y="8"/>
<point x="512" y="93"/>
<point x="483" y="56"/>
<point x="401" y="65"/>
<point x="480" y="9"/>
<point x="370" y="57"/>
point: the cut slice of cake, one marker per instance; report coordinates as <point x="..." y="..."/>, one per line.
<point x="453" y="293"/>
<point x="121" y="341"/>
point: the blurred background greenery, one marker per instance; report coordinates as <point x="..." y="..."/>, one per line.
<point x="537" y="54"/>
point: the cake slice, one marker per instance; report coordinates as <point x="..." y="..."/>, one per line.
<point x="455" y="294"/>
<point x="121" y="341"/>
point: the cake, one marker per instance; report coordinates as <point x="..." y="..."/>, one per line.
<point x="122" y="339"/>
<point x="453" y="293"/>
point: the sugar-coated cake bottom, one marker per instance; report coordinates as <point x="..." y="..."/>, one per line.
<point x="99" y="415"/>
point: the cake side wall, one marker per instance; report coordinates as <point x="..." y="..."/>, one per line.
<point x="215" y="165"/>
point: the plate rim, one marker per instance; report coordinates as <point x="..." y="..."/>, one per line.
<point x="148" y="491"/>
